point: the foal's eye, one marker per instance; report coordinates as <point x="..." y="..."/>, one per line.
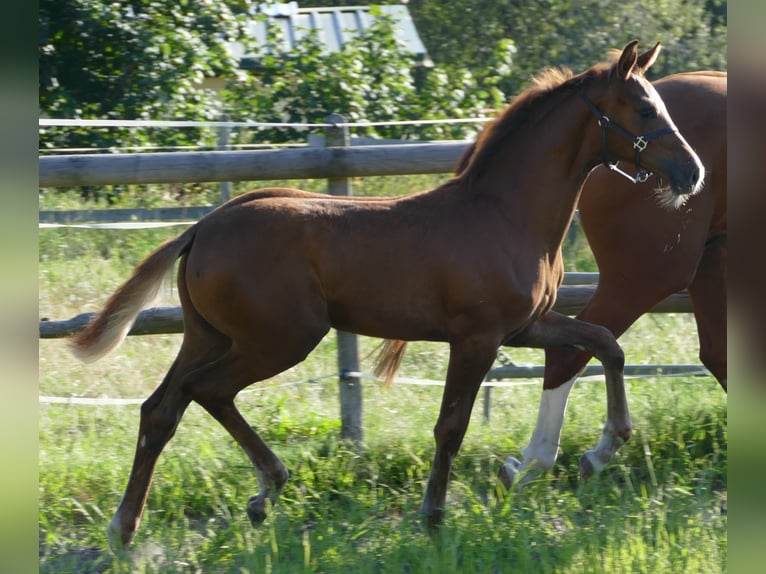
<point x="648" y="113"/>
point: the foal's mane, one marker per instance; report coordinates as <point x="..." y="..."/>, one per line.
<point x="533" y="103"/>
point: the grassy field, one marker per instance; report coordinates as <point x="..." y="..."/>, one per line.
<point x="660" y="506"/>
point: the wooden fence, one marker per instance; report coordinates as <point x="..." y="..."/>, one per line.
<point x="338" y="162"/>
<point x="577" y="290"/>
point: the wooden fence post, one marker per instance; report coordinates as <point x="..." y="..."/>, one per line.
<point x="348" y="354"/>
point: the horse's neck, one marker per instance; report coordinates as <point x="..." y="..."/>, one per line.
<point x="540" y="171"/>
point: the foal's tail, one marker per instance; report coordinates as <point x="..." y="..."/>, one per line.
<point x="110" y="327"/>
<point x="389" y="359"/>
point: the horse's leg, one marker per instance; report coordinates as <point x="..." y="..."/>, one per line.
<point x="254" y="356"/>
<point x="553" y="330"/>
<point x="160" y="415"/>
<point x="272" y="472"/>
<point x="468" y="364"/>
<point x="215" y="390"/>
<point x="708" y="295"/>
<point x="610" y="307"/>
<point x="542" y="451"/>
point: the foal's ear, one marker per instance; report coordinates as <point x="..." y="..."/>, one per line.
<point x="646" y="59"/>
<point x="627" y="60"/>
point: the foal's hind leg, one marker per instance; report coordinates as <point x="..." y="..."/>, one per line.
<point x="160" y="415"/>
<point x="555" y="329"/>
<point x="216" y="385"/>
<point x="272" y="473"/>
<point x="214" y="389"/>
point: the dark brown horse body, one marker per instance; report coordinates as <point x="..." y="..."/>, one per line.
<point x="475" y="263"/>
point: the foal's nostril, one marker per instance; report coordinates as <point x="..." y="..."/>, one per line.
<point x="695" y="175"/>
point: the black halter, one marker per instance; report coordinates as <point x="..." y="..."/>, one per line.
<point x="639" y="142"/>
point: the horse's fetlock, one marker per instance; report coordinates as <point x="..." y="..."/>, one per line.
<point x="280" y="478"/>
<point x="625" y="433"/>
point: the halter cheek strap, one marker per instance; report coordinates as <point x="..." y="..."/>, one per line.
<point x="639" y="142"/>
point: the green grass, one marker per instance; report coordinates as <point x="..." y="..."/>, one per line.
<point x="660" y="506"/>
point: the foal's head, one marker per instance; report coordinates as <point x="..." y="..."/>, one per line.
<point x="637" y="128"/>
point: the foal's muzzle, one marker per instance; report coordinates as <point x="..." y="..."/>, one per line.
<point x="685" y="179"/>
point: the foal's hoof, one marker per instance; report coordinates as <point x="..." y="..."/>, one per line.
<point x="431" y="521"/>
<point x="509" y="472"/>
<point x="117" y="543"/>
<point x="256" y="511"/>
<point x="587" y="470"/>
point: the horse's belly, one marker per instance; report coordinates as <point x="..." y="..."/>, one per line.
<point x="389" y="313"/>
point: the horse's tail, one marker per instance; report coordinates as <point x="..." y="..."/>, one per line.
<point x="389" y="359"/>
<point x="110" y="327"/>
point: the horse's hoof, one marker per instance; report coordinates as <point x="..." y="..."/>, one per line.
<point x="256" y="511"/>
<point x="431" y="529"/>
<point x="114" y="535"/>
<point x="509" y="471"/>
<point x="431" y="520"/>
<point x="587" y="470"/>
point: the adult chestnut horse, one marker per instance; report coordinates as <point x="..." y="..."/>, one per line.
<point x="475" y="262"/>
<point x="645" y="252"/>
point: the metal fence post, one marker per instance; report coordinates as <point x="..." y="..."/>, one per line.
<point x="348" y="354"/>
<point x="224" y="145"/>
<point x="487" y="401"/>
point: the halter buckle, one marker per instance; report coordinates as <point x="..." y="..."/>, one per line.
<point x="640" y="143"/>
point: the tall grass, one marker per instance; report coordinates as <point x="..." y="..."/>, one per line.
<point x="660" y="506"/>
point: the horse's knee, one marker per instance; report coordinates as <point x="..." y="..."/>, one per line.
<point x="610" y="351"/>
<point x="448" y="433"/>
<point x="158" y="425"/>
<point x="617" y="356"/>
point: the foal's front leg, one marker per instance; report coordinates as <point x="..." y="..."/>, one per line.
<point x="554" y="329"/>
<point x="468" y="364"/>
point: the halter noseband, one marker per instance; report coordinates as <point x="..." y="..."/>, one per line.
<point x="639" y="142"/>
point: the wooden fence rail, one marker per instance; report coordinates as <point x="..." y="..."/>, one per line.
<point x="167" y="320"/>
<point x="301" y="163"/>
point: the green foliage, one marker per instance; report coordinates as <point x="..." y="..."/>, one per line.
<point x="145" y="59"/>
<point x="372" y="78"/>
<point x="574" y="34"/>
<point x="141" y="59"/>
